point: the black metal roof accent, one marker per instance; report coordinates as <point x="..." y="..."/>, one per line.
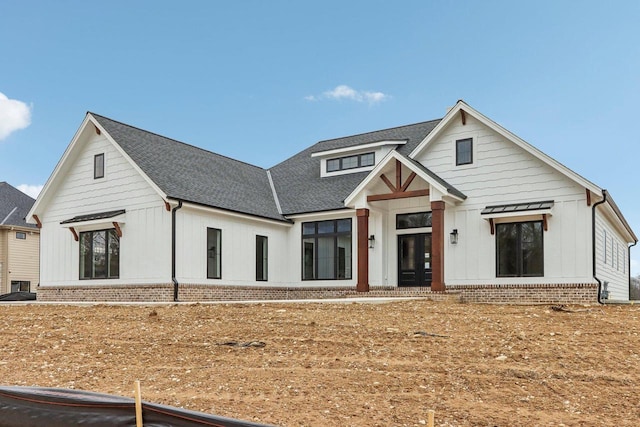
<point x="93" y="216"/>
<point x="518" y="207"/>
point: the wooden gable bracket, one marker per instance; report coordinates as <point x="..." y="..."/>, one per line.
<point x="38" y="223"/>
<point x="74" y="232"/>
<point x="118" y="229"/>
<point x="399" y="190"/>
<point x="493" y="226"/>
<point x="463" y="116"/>
<point x="167" y="206"/>
<point x="97" y="130"/>
<point x="588" y="197"/>
<point x="544" y="222"/>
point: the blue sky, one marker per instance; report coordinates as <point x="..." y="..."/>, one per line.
<point x="262" y="80"/>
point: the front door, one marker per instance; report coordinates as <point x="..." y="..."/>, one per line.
<point x="414" y="259"/>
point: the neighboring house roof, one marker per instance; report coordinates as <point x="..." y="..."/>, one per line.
<point x="14" y="206"/>
<point x="191" y="174"/>
<point x="300" y="187"/>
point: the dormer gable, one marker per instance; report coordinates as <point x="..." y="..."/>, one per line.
<point x="358" y="158"/>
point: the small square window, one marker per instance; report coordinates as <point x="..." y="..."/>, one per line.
<point x="367" y="159"/>
<point x="21" y="235"/>
<point x="464" y="151"/>
<point x="98" y="166"/>
<point x="350" y="162"/>
<point x="333" y="165"/>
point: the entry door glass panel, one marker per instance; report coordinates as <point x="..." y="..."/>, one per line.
<point x="414" y="260"/>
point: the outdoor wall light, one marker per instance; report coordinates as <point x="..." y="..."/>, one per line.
<point x="372" y="240"/>
<point x="453" y="237"/>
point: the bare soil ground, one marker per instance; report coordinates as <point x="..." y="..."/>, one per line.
<point x="349" y="364"/>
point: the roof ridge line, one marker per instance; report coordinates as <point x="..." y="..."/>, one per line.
<point x="378" y="130"/>
<point x="175" y="140"/>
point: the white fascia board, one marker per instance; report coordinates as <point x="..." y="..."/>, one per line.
<point x="461" y="105"/>
<point x="61" y="168"/>
<point x="217" y="211"/>
<point x="129" y="159"/>
<point x="323" y="214"/>
<point x="356" y="148"/>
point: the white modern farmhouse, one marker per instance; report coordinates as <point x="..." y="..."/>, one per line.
<point x="457" y="205"/>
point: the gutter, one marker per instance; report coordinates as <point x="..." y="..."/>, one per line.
<point x="629" y="266"/>
<point x="173" y="251"/>
<point x="593" y="242"/>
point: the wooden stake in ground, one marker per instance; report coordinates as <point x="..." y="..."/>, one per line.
<point x="138" y="405"/>
<point x="431" y="417"/>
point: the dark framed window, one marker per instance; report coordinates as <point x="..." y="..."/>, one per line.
<point x="351" y="162"/>
<point x="21" y="235"/>
<point x="520" y="249"/>
<point x="413" y="220"/>
<point x="262" y="258"/>
<point x="99" y="254"/>
<point x="464" y="151"/>
<point x="326" y="250"/>
<point x="98" y="166"/>
<point x="214" y="253"/>
<point x="20" y="286"/>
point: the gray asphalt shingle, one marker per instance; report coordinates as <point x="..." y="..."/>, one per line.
<point x="195" y="175"/>
<point x="192" y="174"/>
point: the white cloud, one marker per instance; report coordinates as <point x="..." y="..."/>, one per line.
<point x="14" y="115"/>
<point x="344" y="92"/>
<point x="30" y="190"/>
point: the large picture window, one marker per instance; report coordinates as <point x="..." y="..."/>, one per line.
<point x="519" y="249"/>
<point x="99" y="254"/>
<point x="214" y="253"/>
<point x="262" y="258"/>
<point x="326" y="250"/>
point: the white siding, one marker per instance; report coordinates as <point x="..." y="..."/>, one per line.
<point x="612" y="257"/>
<point x="503" y="173"/>
<point x="238" y="248"/>
<point x="145" y="247"/>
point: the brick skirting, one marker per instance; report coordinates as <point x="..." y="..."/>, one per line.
<point x="496" y="294"/>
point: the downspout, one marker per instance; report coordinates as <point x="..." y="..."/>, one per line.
<point x="629" y="266"/>
<point x="173" y="250"/>
<point x="593" y="241"/>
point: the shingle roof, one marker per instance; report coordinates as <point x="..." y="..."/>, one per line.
<point x="299" y="185"/>
<point x="195" y="175"/>
<point x="14" y="206"/>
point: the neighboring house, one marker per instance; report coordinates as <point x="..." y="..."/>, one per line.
<point x="457" y="204"/>
<point x="19" y="242"/>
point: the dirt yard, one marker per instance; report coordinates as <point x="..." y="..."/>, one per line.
<point x="349" y="364"/>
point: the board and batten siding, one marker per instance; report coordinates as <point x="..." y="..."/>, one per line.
<point x="238" y="253"/>
<point x="145" y="247"/>
<point x="612" y="258"/>
<point x="504" y="173"/>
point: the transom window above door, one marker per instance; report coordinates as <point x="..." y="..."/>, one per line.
<point x="413" y="220"/>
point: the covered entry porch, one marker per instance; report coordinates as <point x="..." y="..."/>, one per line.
<point x="401" y="230"/>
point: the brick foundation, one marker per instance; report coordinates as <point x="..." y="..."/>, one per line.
<point x="585" y="293"/>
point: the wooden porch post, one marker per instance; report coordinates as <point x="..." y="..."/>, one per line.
<point x="363" y="250"/>
<point x="437" y="246"/>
